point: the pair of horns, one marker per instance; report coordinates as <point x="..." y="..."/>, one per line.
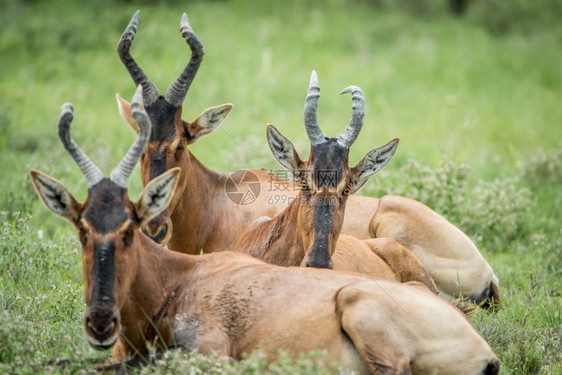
<point x="176" y="93"/>
<point x="120" y="175"/>
<point x="350" y="133"/>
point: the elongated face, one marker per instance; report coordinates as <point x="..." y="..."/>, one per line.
<point x="167" y="148"/>
<point x="106" y="227"/>
<point x="326" y="179"/>
<point x="109" y="228"/>
<point x="108" y="224"/>
<point x="106" y="232"/>
<point x="325" y="187"/>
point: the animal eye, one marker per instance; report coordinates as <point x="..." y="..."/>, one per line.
<point x="178" y="152"/>
<point x="127" y="236"/>
<point x="83" y="236"/>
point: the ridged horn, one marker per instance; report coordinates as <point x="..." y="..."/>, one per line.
<point x="315" y="135"/>
<point x="150" y="92"/>
<point x="92" y="173"/>
<point x="178" y="90"/>
<point x="120" y="175"/>
<point x="351" y="131"/>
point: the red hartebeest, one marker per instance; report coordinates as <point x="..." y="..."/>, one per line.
<point x="139" y="293"/>
<point x="307" y="232"/>
<point x="205" y="219"/>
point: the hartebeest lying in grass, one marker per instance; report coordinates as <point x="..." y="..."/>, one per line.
<point x="139" y="293"/>
<point x="205" y="219"/>
<point x="307" y="232"/>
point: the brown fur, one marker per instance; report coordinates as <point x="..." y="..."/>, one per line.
<point x="288" y="239"/>
<point x="210" y="222"/>
<point x="281" y="242"/>
<point x="205" y="220"/>
<point x="232" y="303"/>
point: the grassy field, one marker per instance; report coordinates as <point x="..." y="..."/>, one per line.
<point x="474" y="100"/>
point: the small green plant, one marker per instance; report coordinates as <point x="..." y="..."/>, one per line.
<point x="17" y="337"/>
<point x="178" y="362"/>
<point x="543" y="167"/>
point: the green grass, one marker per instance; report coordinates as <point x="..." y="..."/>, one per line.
<point x="472" y="100"/>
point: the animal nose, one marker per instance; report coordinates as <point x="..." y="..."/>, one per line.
<point x="102" y="326"/>
<point x="489" y="298"/>
<point x="319" y="265"/>
<point x="317" y="262"/>
<point x="101" y="331"/>
<point x="492" y="368"/>
<point x="159" y="236"/>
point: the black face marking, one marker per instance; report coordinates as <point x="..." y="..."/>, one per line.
<point x="330" y="158"/>
<point x="319" y="256"/>
<point x="157" y="163"/>
<point x="103" y="291"/>
<point x="108" y="213"/>
<point x="163" y="118"/>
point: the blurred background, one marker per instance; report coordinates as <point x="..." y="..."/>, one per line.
<point x="464" y="81"/>
<point x="473" y="88"/>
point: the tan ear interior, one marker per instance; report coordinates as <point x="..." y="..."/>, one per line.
<point x="125" y="111"/>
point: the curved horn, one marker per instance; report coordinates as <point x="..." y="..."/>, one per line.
<point x="120" y="175"/>
<point x="310" y="108"/>
<point x="89" y="169"/>
<point x="150" y="92"/>
<point x="178" y="90"/>
<point x="350" y="133"/>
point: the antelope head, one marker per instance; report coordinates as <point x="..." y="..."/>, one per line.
<point x="325" y="178"/>
<point x="167" y="146"/>
<point x="107" y="223"/>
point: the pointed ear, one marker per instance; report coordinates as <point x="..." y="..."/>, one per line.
<point x="156" y="195"/>
<point x="374" y="161"/>
<point x="56" y="197"/>
<point x="125" y="111"/>
<point x="207" y="121"/>
<point x="283" y="150"/>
